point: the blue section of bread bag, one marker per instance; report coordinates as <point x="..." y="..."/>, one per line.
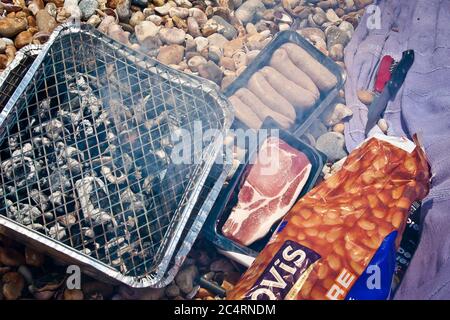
<point x="375" y="282"/>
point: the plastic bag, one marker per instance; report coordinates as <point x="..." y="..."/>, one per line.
<point x="340" y="240"/>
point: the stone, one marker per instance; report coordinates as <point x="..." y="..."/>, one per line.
<point x="193" y="27"/>
<point x="157" y="20"/>
<point x="201" y="43"/>
<point x="51" y="9"/>
<point x="35" y="6"/>
<point x="184" y="3"/>
<point x="365" y="96"/>
<point x="332" y="144"/>
<point x="146" y="29"/>
<point x="332" y="16"/>
<point x="172" y="35"/>
<point x="224" y="28"/>
<point x="22" y="39"/>
<point x="211" y="71"/>
<point x="232" y="46"/>
<point x="240" y="59"/>
<point x="71" y="9"/>
<point x="106" y="23"/>
<point x="13" y="285"/>
<point x="2" y="46"/>
<point x="338" y="113"/>
<point x="222" y="265"/>
<point x="284" y="26"/>
<point x="215" y="53"/>
<point x="96" y="288"/>
<point x="164" y="10"/>
<point x="281" y="17"/>
<point x="182" y="13"/>
<point x="383" y="125"/>
<point x="158" y="3"/>
<point x="196" y="61"/>
<point x="73" y="294"/>
<point x="335" y="35"/>
<point x="251" y="28"/>
<point x="319" y="18"/>
<point x="117" y="33"/>
<point x="198" y="15"/>
<point x="139" y="3"/>
<point x="186" y="277"/>
<point x="180" y="23"/>
<point x="227" y="80"/>
<point x="209" y="28"/>
<point x="191" y="46"/>
<point x="217" y="40"/>
<point x="171" y="54"/>
<point x="26" y="274"/>
<point x="10" y="27"/>
<point x="136" y="18"/>
<point x="360" y="4"/>
<point x="11" y="257"/>
<point x="34" y="258"/>
<point x="339" y="128"/>
<point x="348" y="28"/>
<point x="227" y="63"/>
<point x="172" y="291"/>
<point x="337" y="52"/>
<point x="317" y="129"/>
<point x="123" y="10"/>
<point x="87" y="8"/>
<point x="251" y="55"/>
<point x="249" y="9"/>
<point x="94" y="20"/>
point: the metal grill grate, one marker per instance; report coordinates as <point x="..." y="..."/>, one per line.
<point x="12" y="76"/>
<point x="85" y="153"/>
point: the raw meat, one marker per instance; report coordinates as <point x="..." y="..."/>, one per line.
<point x="274" y="182"/>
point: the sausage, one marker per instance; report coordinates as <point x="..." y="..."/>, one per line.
<point x="263" y="111"/>
<point x="245" y="114"/>
<point x="296" y="95"/>
<point x="321" y="76"/>
<point x="262" y="89"/>
<point x="281" y="61"/>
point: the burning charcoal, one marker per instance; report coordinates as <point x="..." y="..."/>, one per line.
<point x="56" y="198"/>
<point x="86" y="251"/>
<point x="21" y="169"/>
<point x="112" y="178"/>
<point x="84" y="127"/>
<point x="68" y="152"/>
<point x="86" y="189"/>
<point x="68" y="219"/>
<point x="40" y="199"/>
<point x="44" y="109"/>
<point x="103" y="119"/>
<point x="38" y="227"/>
<point x="25" y="151"/>
<point x="58" y="232"/>
<point x="88" y="233"/>
<point x="58" y="181"/>
<point x="54" y="129"/>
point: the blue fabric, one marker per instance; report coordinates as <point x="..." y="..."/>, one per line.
<point x="422" y="106"/>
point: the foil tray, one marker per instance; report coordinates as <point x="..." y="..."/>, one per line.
<point x="94" y="122"/>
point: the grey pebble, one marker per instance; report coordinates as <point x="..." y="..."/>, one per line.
<point x="87" y="8"/>
<point x="332" y="144"/>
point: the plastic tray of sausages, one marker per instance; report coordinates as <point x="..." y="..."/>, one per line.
<point x="303" y="119"/>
